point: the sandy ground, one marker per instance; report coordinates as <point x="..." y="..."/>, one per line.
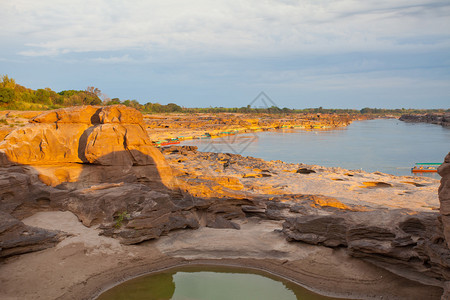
<point x="84" y="264"/>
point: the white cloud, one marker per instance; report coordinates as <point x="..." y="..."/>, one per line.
<point x="238" y="28"/>
<point x="114" y="59"/>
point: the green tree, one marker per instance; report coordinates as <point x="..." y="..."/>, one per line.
<point x="172" y="107"/>
<point x="7" y="95"/>
<point x="7" y="82"/>
<point x="113" y="101"/>
<point x="42" y="96"/>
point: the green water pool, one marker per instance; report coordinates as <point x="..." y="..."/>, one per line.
<point x="209" y="282"/>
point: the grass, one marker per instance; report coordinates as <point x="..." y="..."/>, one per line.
<point x="120" y="218"/>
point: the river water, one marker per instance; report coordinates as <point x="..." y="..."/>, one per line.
<point x="386" y="145"/>
<point x="209" y="282"/>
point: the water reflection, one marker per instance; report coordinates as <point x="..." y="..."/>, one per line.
<point x="209" y="282"/>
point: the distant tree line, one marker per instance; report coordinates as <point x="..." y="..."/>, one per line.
<point x="17" y="97"/>
<point x="319" y="110"/>
<point x="14" y="96"/>
<point x="148" y="107"/>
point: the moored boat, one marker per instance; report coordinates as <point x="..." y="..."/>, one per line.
<point x="425" y="168"/>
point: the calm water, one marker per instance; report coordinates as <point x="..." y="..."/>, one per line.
<point x="218" y="283"/>
<point x="385" y="145"/>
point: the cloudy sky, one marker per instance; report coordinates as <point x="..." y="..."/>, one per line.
<point x="199" y="53"/>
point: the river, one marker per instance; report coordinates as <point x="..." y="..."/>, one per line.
<point x="386" y="145"/>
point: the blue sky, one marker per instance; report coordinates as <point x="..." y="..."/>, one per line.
<point x="199" y="53"/>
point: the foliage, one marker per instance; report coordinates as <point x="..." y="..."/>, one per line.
<point x="6" y="95"/>
<point x="120" y="218"/>
<point x="16" y="97"/>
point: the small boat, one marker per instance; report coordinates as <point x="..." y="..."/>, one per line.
<point x="168" y="143"/>
<point x="425" y="168"/>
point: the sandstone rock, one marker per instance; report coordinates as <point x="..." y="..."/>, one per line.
<point x="4" y="132"/>
<point x="120" y="114"/>
<point x="85" y="114"/>
<point x="121" y="145"/>
<point x="151" y="218"/>
<point x="305" y="171"/>
<point x="43" y="144"/>
<point x="111" y="136"/>
<point x="324" y="230"/>
<point x="407" y="243"/>
<point x="444" y="196"/>
<point x="18" y="238"/>
<point x="14" y="189"/>
<point x="179" y="149"/>
<point x="209" y="187"/>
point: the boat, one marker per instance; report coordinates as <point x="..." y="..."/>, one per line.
<point x="166" y="142"/>
<point x="425" y="168"/>
<point x="169" y="143"/>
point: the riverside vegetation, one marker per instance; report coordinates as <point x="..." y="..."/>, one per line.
<point x="14" y="96"/>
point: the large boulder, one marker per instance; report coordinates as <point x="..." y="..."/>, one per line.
<point x="108" y="136"/>
<point x="444" y="196"/>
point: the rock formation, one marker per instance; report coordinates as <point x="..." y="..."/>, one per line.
<point x="99" y="163"/>
<point x="107" y="136"/>
<point x="411" y="244"/>
<point x="18" y="238"/>
<point x="444" y="197"/>
<point x="438" y="119"/>
<point x="404" y="242"/>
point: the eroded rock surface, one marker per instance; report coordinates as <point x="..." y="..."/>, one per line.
<point x="99" y="163"/>
<point x="110" y="136"/>
<point x="18" y="238"/>
<point x="438" y="119"/>
<point x="404" y="242"/>
<point x="444" y="196"/>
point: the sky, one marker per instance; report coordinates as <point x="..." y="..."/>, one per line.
<point x="224" y="53"/>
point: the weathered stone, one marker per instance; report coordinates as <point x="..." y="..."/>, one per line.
<point x="407" y="243"/>
<point x="444" y="196"/>
<point x="305" y="171"/>
<point x="87" y="135"/>
<point x="18" y="238"/>
<point x="434" y="118"/>
<point x="43" y="144"/>
<point x="120" y="114"/>
<point x="85" y="114"/>
<point x="179" y="149"/>
<point x="322" y="230"/>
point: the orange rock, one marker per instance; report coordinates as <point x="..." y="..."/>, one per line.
<point x="108" y="136"/>
<point x="43" y="143"/>
<point x="85" y="114"/>
<point x="120" y="114"/>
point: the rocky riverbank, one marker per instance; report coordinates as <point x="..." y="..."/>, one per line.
<point x="169" y="127"/>
<point x="197" y="126"/>
<point x="87" y="201"/>
<point x="438" y="119"/>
